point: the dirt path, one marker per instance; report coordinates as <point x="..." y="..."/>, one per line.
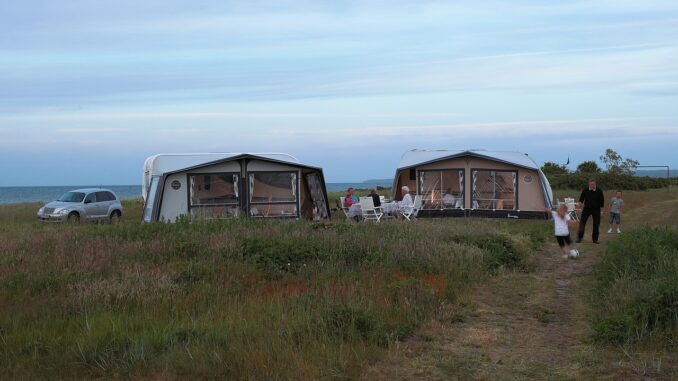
<point x="517" y="326"/>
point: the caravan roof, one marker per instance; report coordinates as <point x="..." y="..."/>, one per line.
<point x="417" y="157"/>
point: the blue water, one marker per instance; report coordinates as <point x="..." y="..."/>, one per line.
<point x="14" y="195"/>
<point x="340" y="187"/>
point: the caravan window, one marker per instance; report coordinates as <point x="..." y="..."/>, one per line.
<point x="273" y="194"/>
<point x="442" y="189"/>
<point x="495" y="190"/>
<point x="213" y="195"/>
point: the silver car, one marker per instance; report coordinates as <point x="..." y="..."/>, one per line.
<point x="91" y="204"/>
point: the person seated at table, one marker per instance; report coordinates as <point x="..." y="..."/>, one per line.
<point x="448" y="198"/>
<point x="406" y="202"/>
<point x="375" y="197"/>
<point x="350" y="198"/>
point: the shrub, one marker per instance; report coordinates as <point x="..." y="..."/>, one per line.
<point x="607" y="181"/>
<point x="636" y="293"/>
<point x="281" y="254"/>
<point x="501" y="251"/>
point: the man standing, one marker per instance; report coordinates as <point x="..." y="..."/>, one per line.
<point x="593" y="201"/>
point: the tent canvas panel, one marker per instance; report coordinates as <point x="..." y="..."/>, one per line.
<point x="467" y="162"/>
<point x="260" y="165"/>
<point x="314" y="199"/>
<point x="174" y="201"/>
<point x="403" y="179"/>
<point x="531" y="195"/>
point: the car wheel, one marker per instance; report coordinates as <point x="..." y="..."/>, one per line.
<point x="74" y="218"/>
<point x="114" y="218"/>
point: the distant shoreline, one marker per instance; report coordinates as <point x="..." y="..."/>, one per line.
<point x="43" y="193"/>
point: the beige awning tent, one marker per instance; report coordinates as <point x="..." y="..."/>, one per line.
<point x="481" y="183"/>
<point x="228" y="185"/>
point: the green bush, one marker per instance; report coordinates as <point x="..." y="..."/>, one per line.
<point x="282" y="254"/>
<point x="636" y="293"/>
<point x="501" y="251"/>
<point x="606" y="181"/>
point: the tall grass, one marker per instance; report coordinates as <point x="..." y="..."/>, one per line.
<point x="236" y="299"/>
<point x="636" y="294"/>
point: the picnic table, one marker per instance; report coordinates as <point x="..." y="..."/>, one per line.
<point x="388" y="208"/>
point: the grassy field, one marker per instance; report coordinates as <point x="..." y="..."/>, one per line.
<point x="236" y="299"/>
<point x="266" y="300"/>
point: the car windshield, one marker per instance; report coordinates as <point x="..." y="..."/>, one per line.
<point x="72" y="197"/>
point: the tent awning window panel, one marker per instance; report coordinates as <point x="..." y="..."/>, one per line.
<point x="315" y="187"/>
<point x="442" y="189"/>
<point x="213" y="195"/>
<point x="213" y="189"/>
<point x="150" y="199"/>
<point x="274" y="194"/>
<point x="494" y="190"/>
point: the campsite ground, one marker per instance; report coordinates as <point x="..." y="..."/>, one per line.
<point x="534" y="325"/>
<point x="444" y="299"/>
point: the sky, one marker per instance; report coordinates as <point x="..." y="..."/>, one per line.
<point x="89" y="88"/>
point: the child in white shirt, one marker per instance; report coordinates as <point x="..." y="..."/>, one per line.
<point x="561" y="220"/>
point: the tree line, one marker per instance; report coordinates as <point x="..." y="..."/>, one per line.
<point x="618" y="174"/>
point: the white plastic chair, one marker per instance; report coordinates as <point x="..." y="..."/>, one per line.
<point x="342" y="205"/>
<point x="369" y="211"/>
<point x="411" y="211"/>
<point x="571" y="208"/>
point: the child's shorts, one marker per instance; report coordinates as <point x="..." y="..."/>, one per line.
<point x="563" y="239"/>
<point x="615" y="218"/>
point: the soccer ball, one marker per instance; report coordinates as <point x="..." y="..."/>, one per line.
<point x="574" y="253"/>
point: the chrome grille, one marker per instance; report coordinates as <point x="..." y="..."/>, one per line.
<point x="49" y="210"/>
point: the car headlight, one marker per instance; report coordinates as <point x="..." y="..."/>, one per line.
<point x="41" y="210"/>
<point x="61" y="211"/>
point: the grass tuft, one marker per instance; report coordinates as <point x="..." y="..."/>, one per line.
<point x="636" y="292"/>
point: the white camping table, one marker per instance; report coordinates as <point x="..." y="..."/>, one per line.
<point x="388" y="207"/>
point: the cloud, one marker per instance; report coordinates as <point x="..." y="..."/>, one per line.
<point x="627" y="128"/>
<point x="91" y="130"/>
<point x="205" y="115"/>
<point x="659" y="88"/>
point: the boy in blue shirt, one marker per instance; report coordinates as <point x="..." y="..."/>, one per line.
<point x="616" y="205"/>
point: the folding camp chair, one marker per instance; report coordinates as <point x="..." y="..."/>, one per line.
<point x="369" y="211"/>
<point x="571" y="208"/>
<point x="343" y="207"/>
<point x="411" y="211"/>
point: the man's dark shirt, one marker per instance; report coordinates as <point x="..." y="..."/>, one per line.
<point x="592" y="199"/>
<point x="375" y="198"/>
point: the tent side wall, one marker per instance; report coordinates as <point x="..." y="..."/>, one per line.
<point x="403" y="179"/>
<point x="174" y="202"/>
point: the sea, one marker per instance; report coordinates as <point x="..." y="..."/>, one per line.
<point x="17" y="195"/>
